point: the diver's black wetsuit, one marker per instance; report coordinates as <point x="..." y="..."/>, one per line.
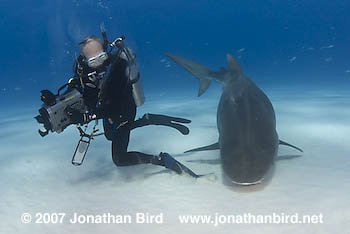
<point x="117" y="108"/>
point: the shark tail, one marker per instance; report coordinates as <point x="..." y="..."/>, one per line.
<point x="204" y="74"/>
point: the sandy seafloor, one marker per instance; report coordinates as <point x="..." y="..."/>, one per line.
<point x="36" y="174"/>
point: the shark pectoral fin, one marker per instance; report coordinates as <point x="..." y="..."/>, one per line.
<point x="290" y="145"/>
<point x="214" y="146"/>
<point x="208" y="161"/>
<point x="287" y="157"/>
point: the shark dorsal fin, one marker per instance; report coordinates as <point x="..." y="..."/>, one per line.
<point x="233" y="66"/>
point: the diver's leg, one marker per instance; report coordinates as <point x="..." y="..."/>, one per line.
<point x="120" y="154"/>
<point x="121" y="157"/>
<point x="108" y="129"/>
<point x="120" y="140"/>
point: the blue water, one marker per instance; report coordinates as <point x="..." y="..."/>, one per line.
<point x="276" y="42"/>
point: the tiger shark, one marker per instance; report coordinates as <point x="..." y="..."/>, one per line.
<point x="246" y="122"/>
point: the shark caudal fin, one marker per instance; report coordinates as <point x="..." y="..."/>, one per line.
<point x="202" y="73"/>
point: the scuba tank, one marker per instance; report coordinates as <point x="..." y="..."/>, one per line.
<point x="132" y="72"/>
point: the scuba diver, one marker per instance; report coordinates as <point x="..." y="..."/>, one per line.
<point x="111" y="90"/>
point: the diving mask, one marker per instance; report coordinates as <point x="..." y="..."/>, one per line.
<point x="97" y="60"/>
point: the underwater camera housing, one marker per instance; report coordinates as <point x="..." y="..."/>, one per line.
<point x="52" y="113"/>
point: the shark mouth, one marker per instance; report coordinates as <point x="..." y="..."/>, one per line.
<point x="247" y="184"/>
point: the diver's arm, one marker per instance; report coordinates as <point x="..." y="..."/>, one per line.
<point x="76" y="116"/>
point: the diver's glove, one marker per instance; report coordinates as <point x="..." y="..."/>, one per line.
<point x="76" y="117"/>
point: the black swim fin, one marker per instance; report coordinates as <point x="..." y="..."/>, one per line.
<point x="287" y="144"/>
<point x="164" y="120"/>
<point x="214" y="146"/>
